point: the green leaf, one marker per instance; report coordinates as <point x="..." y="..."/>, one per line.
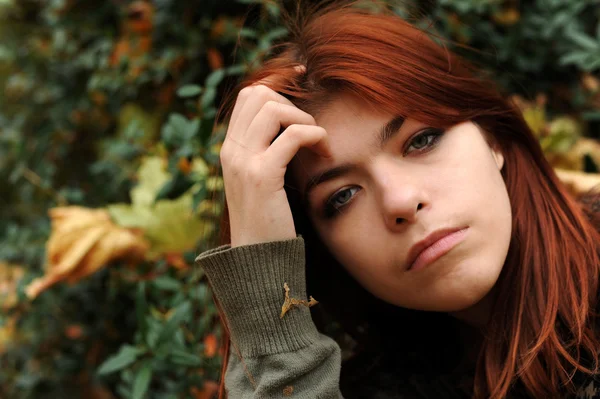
<point x="189" y="91"/>
<point x="576" y="57"/>
<point x="179" y="123"/>
<point x="126" y="356"/>
<point x="179" y="315"/>
<point x="201" y="293"/>
<point x="141" y="307"/>
<point x="592" y="64"/>
<point x="583" y="40"/>
<point x="215" y="78"/>
<point x="199" y="196"/>
<point x="239" y="69"/>
<point x="165" y="283"/>
<point x="272" y="8"/>
<point x="142" y="381"/>
<point x="184" y="358"/>
<point x="211" y="158"/>
<point x="275" y="34"/>
<point x="208" y="97"/>
<point x="247" y="32"/>
<point x="153" y="333"/>
<point x="206" y="130"/>
<point x="591" y="115"/>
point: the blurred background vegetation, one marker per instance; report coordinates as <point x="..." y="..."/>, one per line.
<point x="109" y="181"/>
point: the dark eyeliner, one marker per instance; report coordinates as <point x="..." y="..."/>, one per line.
<point x="329" y="210"/>
<point x="434" y="132"/>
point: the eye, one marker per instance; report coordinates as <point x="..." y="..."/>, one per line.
<point x="424" y="140"/>
<point x="338" y="200"/>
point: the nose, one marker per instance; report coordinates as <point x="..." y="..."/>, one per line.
<point x="402" y="196"/>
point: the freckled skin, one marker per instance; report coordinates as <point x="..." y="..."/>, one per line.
<point x="456" y="183"/>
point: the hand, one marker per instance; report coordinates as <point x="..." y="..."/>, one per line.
<point x="254" y="161"/>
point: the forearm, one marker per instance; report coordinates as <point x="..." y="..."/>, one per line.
<point x="270" y="353"/>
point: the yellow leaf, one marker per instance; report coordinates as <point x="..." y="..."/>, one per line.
<point x="578" y="182"/>
<point x="7" y="334"/>
<point x="169" y="225"/>
<point x="10" y="276"/>
<point x="82" y="241"/>
<point x="151" y="177"/>
<point x="117" y="243"/>
<point x="573" y="159"/>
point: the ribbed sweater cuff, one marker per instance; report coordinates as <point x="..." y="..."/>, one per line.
<point x="248" y="283"/>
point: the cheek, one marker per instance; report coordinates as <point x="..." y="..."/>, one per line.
<point x="356" y="242"/>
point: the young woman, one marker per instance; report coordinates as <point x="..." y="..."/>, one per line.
<point x="373" y="163"/>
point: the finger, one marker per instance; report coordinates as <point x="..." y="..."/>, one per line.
<point x="248" y="92"/>
<point x="249" y="102"/>
<point x="285" y="147"/>
<point x="268" y="122"/>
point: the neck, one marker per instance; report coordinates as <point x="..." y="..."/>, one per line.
<point x="478" y="314"/>
<point x="471" y="324"/>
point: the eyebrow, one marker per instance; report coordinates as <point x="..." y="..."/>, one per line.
<point x="389" y="130"/>
<point x="383" y="135"/>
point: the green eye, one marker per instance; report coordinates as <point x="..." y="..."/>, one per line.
<point x="340" y="199"/>
<point x="422" y="141"/>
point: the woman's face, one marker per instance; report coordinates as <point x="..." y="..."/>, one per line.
<point x="384" y="191"/>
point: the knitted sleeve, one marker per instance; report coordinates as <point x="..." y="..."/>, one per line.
<point x="271" y="356"/>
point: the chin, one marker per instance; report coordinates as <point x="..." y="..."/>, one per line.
<point x="463" y="299"/>
<point x="457" y="294"/>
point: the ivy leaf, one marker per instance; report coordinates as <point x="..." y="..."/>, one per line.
<point x="185" y="358"/>
<point x="179" y="123"/>
<point x="154" y="329"/>
<point x="141" y="307"/>
<point x="142" y="381"/>
<point x="165" y="283"/>
<point x="199" y="196"/>
<point x="239" y="69"/>
<point x="179" y="315"/>
<point x="215" y="78"/>
<point x="583" y="40"/>
<point x="275" y="34"/>
<point x="189" y="91"/>
<point x="126" y="356"/>
<point x="208" y="98"/>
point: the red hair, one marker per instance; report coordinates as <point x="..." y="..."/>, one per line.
<point x="542" y="329"/>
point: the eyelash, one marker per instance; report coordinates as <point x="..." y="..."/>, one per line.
<point x="330" y="210"/>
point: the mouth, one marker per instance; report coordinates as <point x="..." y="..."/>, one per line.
<point x="434" y="246"/>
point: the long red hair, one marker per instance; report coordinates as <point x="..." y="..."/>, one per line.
<point x="542" y="329"/>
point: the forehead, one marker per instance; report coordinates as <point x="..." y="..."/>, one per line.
<point x="351" y="126"/>
<point x="346" y="118"/>
<point x="353" y="133"/>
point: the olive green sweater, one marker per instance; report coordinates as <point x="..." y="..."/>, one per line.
<point x="271" y="357"/>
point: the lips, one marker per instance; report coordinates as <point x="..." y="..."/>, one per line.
<point x="437" y="236"/>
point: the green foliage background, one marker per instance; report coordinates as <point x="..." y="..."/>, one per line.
<point x="86" y="99"/>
